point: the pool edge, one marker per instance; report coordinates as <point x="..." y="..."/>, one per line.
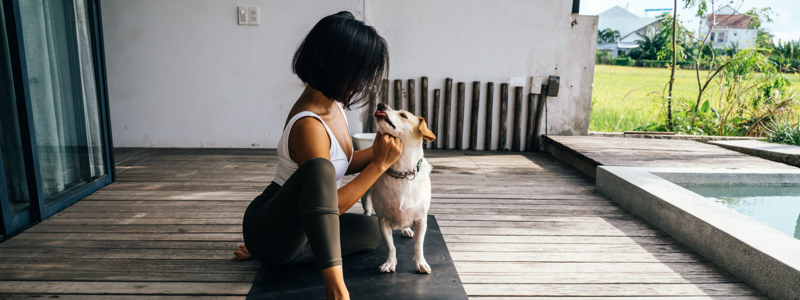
<point x="761" y="256"/>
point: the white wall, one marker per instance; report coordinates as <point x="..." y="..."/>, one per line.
<point x="182" y="73"/>
<point x="485" y="40"/>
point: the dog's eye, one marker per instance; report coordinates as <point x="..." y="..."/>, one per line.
<point x="404" y="116"/>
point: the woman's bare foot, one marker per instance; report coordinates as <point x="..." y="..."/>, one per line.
<point x="241" y="253"/>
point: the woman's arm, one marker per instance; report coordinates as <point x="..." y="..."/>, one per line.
<point x="361" y="159"/>
<point x="385" y="151"/>
<point x="304" y="144"/>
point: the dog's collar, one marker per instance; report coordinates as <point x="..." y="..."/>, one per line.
<point x="410" y="175"/>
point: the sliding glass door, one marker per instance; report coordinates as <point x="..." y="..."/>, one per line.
<point x="55" y="137"/>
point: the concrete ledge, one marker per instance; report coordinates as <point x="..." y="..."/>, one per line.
<point x="759" y="255"/>
<point x="699" y="138"/>
<point x="787" y="154"/>
<point x="570" y="156"/>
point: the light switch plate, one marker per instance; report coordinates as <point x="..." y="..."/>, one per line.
<point x="517" y="81"/>
<point x="536" y="84"/>
<point x="253" y="16"/>
<point x="241" y="13"/>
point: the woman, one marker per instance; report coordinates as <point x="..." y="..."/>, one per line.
<point x="299" y="216"/>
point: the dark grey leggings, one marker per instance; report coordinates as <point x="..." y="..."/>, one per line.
<point x="281" y="223"/>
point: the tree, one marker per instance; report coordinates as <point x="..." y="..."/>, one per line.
<point x="651" y="43"/>
<point x="674" y="62"/>
<point x="607" y="36"/>
<point x="757" y="16"/>
<point x="764" y="39"/>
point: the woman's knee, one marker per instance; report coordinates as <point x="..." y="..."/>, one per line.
<point x="319" y="179"/>
<point x="320" y="168"/>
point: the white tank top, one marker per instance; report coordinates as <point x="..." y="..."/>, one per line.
<point x="286" y="166"/>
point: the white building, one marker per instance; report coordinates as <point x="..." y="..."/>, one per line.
<point x="628" y="24"/>
<point x="730" y="28"/>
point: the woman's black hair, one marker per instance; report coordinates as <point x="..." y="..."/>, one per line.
<point x="343" y="58"/>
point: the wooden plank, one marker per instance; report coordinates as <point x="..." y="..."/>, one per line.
<point x="567" y="248"/>
<point x="594" y="278"/>
<point x="583" y="267"/>
<point x="423" y="103"/>
<point x="537" y="120"/>
<point x="448" y="102"/>
<point x="630" y="298"/>
<point x="611" y="290"/>
<point x="529" y="139"/>
<point x="473" y="120"/>
<point x="532" y="239"/>
<point x="147" y="288"/>
<point x="385" y="91"/>
<point x="487" y="141"/>
<point x="577" y="257"/>
<point x="369" y="126"/>
<point x="503" y="117"/>
<point x="122" y="275"/>
<point x="460" y="116"/>
<point x="435" y="117"/>
<point x="516" y="136"/>
<point x="398" y="95"/>
<point x="412" y="101"/>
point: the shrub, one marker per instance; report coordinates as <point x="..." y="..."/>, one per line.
<point x="625" y="61"/>
<point x="783" y="132"/>
<point x="602" y="57"/>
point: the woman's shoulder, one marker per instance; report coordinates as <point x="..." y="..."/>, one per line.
<point x="308" y="138"/>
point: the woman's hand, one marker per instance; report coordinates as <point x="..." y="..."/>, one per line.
<point x="386" y="149"/>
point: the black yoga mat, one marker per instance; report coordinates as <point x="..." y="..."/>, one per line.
<point x="363" y="279"/>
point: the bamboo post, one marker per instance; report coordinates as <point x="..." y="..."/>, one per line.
<point x="529" y="123"/>
<point x="476" y="106"/>
<point x="435" y="117"/>
<point x="412" y="99"/>
<point x="423" y="102"/>
<point x="385" y="91"/>
<point x="398" y="94"/>
<point x="515" y="143"/>
<point x="370" y="125"/>
<point x="460" y="116"/>
<point x="537" y="121"/>
<point x="503" y="117"/>
<point x="448" y="101"/>
<point x="487" y="143"/>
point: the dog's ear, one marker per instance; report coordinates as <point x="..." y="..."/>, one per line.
<point x="426" y="133"/>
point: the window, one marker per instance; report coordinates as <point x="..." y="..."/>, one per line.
<point x="721" y="37"/>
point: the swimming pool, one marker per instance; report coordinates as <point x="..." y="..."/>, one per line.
<point x="775" y="206"/>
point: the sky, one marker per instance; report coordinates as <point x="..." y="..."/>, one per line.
<point x="785" y="26"/>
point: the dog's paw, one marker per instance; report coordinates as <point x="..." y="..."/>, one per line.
<point x="388" y="267"/>
<point x="407" y="232"/>
<point x="423" y="267"/>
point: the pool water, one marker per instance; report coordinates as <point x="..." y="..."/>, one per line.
<point x="775" y="206"/>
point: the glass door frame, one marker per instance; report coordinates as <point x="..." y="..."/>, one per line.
<point x="38" y="211"/>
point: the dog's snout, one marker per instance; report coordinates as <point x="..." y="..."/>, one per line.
<point x="382" y="106"/>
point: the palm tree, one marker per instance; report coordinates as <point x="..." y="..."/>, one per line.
<point x="607" y="35"/>
<point x="651" y="43"/>
<point x="790" y="49"/>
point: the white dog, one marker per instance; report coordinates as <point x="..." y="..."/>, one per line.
<point x="402" y="195"/>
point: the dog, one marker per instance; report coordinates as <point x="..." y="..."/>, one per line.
<point x="401" y="196"/>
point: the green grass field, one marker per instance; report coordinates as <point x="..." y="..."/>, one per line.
<point x="624" y="98"/>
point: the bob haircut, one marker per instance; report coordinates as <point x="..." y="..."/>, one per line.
<point x="343" y="58"/>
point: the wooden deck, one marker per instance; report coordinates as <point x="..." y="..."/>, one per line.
<point x="517" y="225"/>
